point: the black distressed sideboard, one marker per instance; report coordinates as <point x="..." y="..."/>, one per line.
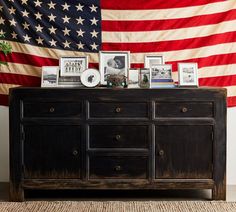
<point x="99" y="138"/>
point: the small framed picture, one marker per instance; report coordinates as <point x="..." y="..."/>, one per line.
<point x="113" y="63"/>
<point x="150" y="60"/>
<point x="73" y="66"/>
<point x="144" y="78"/>
<point x="188" y="74"/>
<point x="49" y="76"/>
<point x="133" y="78"/>
<point x="161" y="72"/>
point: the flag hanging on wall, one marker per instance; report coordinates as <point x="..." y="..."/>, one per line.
<point x="41" y="31"/>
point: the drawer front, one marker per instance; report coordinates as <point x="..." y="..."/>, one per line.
<point x="113" y="136"/>
<point x="118" y="167"/>
<point x="184" y="109"/>
<point x="52" y="109"/>
<point x="118" y="110"/>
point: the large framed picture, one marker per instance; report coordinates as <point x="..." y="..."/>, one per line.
<point x="49" y="76"/>
<point x="113" y="63"/>
<point x="150" y="60"/>
<point x="73" y="66"/>
<point x="188" y="75"/>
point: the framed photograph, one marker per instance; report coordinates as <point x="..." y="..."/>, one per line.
<point x="90" y="77"/>
<point x="161" y="72"/>
<point x="113" y="63"/>
<point x="49" y="76"/>
<point x="144" y="78"/>
<point x="73" y="66"/>
<point x="133" y="78"/>
<point x="188" y="74"/>
<point x="150" y="60"/>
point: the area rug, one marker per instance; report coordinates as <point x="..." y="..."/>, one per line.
<point x="118" y="206"/>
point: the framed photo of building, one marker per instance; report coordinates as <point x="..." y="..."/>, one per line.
<point x="144" y="79"/>
<point x="113" y="63"/>
<point x="188" y="75"/>
<point x="150" y="60"/>
<point x="133" y="78"/>
<point x="73" y="66"/>
<point x="49" y="76"/>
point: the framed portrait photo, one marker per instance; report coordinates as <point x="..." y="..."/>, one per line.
<point x="150" y="60"/>
<point x="113" y="63"/>
<point x="49" y="76"/>
<point x="188" y="75"/>
<point x="73" y="66"/>
<point x="144" y="78"/>
<point x="133" y="78"/>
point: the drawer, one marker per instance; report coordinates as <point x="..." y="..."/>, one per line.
<point x="184" y="109"/>
<point x="118" y="110"/>
<point x="52" y="109"/>
<point x="116" y="136"/>
<point x="118" y="167"/>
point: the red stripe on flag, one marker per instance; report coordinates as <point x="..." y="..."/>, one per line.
<point x="4" y="100"/>
<point x="19" y="79"/>
<point x="157" y="4"/>
<point x="231" y="101"/>
<point x="164" y="46"/>
<point x="151" y="25"/>
<point x="218" y="81"/>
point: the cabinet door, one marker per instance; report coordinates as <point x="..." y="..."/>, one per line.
<point x="52" y="151"/>
<point x="184" y="152"/>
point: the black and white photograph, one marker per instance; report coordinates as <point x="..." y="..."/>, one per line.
<point x="49" y="76"/>
<point x="161" y="72"/>
<point x="90" y="77"/>
<point x="133" y="78"/>
<point x="113" y="63"/>
<point x="73" y="66"/>
<point x="188" y="74"/>
<point x="150" y="60"/>
<point x="144" y="78"/>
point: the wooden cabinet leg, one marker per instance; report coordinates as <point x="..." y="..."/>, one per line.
<point x="219" y="193"/>
<point x="16" y="194"/>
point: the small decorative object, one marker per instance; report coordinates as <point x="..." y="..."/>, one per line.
<point x="113" y="63"/>
<point x="116" y="81"/>
<point x="73" y="66"/>
<point x="6" y="48"/>
<point x="90" y="77"/>
<point x="133" y="78"/>
<point x="144" y="81"/>
<point x="153" y="59"/>
<point x="49" y="76"/>
<point x="188" y="74"/>
<point x="161" y="76"/>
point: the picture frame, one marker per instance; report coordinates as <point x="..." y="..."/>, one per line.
<point x="187" y="73"/>
<point x="144" y="78"/>
<point x="113" y="63"/>
<point x="133" y="78"/>
<point x="149" y="60"/>
<point x="49" y="77"/>
<point x="161" y="72"/>
<point x="73" y="65"/>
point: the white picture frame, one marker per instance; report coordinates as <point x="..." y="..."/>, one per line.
<point x="113" y="63"/>
<point x="73" y="65"/>
<point x="49" y="77"/>
<point x="161" y="72"/>
<point x="133" y="78"/>
<point x="188" y="74"/>
<point x="149" y="60"/>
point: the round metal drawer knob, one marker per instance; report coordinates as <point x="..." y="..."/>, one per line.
<point x="184" y="110"/>
<point x="118" y="137"/>
<point x="75" y="152"/>
<point x="118" y="109"/>
<point x="117" y="168"/>
<point x="52" y="109"/>
<point x="161" y="152"/>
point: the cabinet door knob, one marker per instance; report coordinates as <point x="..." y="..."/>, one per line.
<point x="184" y="109"/>
<point x="161" y="152"/>
<point x="75" y="152"/>
<point x="117" y="168"/>
<point x="118" y="137"/>
<point x="118" y="110"/>
<point x="52" y="109"/>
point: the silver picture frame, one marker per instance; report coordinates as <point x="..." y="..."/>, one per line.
<point x="188" y="74"/>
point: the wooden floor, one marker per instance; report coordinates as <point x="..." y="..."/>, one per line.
<point x="140" y="195"/>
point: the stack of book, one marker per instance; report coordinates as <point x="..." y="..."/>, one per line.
<point x="162" y="83"/>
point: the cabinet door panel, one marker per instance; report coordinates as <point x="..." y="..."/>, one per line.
<point x="184" y="152"/>
<point x="52" y="151"/>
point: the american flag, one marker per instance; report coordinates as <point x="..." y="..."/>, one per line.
<point x="41" y="31"/>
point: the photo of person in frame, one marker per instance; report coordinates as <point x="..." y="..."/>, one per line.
<point x="115" y="65"/>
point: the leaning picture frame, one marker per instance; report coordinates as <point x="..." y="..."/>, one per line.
<point x="113" y="63"/>
<point x="49" y="77"/>
<point x="149" y="60"/>
<point x="73" y="66"/>
<point x="187" y="73"/>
